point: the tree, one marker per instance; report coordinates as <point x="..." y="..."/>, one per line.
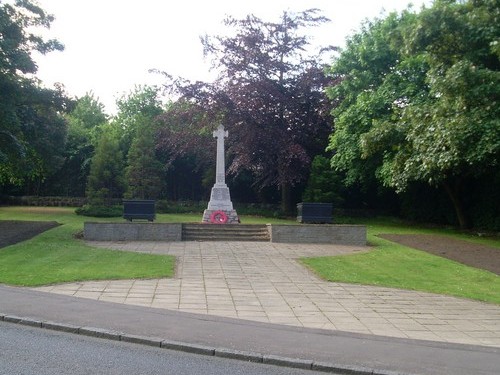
<point x="269" y="95"/>
<point x="358" y="74"/>
<point x="324" y="184"/>
<point x="106" y="179"/>
<point x="85" y="122"/>
<point x="186" y="147"/>
<point x="136" y="110"/>
<point x="144" y="171"/>
<point x="136" y="126"/>
<point x="435" y="120"/>
<point x="32" y="131"/>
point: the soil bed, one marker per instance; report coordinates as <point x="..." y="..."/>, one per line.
<point x="13" y="231"/>
<point x="471" y="254"/>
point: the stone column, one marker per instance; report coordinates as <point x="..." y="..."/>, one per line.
<point x="220" y="208"/>
<point x="220" y="170"/>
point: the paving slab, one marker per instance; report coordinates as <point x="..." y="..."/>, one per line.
<point x="328" y="350"/>
<point x="265" y="282"/>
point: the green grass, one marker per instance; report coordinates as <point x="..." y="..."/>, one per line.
<point x="55" y="256"/>
<point x="392" y="265"/>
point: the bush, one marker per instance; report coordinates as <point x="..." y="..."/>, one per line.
<point x="100" y="211"/>
<point x="180" y="207"/>
<point x="260" y="209"/>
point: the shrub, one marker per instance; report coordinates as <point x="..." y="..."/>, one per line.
<point x="100" y="211"/>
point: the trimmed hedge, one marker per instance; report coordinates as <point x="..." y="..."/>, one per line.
<point x="100" y="211"/>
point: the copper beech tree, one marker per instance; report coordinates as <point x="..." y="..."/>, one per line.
<point x="269" y="94"/>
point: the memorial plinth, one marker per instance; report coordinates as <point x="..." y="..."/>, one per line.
<point x="220" y="208"/>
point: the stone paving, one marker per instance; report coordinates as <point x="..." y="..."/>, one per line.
<point x="264" y="282"/>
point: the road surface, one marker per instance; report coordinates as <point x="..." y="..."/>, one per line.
<point x="34" y="351"/>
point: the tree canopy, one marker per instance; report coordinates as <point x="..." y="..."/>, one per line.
<point x="136" y="125"/>
<point x="32" y="132"/>
<point x="405" y="118"/>
<point x="268" y="94"/>
<point x="418" y="98"/>
<point x="84" y="122"/>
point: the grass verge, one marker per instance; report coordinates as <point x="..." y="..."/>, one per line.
<point x="389" y="264"/>
<point x="55" y="256"/>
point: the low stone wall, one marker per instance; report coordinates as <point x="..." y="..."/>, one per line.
<point x="132" y="232"/>
<point x="308" y="233"/>
<point x="319" y="233"/>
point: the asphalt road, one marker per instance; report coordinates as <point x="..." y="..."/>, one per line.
<point x="33" y="351"/>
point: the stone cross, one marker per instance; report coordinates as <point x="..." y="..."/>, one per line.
<point x="220" y="208"/>
<point x="220" y="170"/>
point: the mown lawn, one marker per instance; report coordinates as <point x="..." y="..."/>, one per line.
<point x="392" y="265"/>
<point x="55" y="256"/>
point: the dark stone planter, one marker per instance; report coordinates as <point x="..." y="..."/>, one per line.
<point x="139" y="209"/>
<point x="319" y="213"/>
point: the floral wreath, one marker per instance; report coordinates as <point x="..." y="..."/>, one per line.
<point x="218" y="217"/>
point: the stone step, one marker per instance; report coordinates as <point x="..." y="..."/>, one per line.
<point x="231" y="232"/>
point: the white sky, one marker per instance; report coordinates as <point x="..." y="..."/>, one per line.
<point x="110" y="45"/>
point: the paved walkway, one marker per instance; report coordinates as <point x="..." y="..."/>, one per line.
<point x="264" y="282"/>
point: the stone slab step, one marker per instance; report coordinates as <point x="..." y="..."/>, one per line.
<point x="231" y="232"/>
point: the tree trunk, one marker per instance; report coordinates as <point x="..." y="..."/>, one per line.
<point x="286" y="199"/>
<point x="454" y="190"/>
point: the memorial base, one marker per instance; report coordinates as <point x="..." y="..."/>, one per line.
<point x="220" y="217"/>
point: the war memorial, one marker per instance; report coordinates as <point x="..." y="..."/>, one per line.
<point x="220" y="221"/>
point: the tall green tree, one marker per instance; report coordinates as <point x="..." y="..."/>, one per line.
<point x="429" y="115"/>
<point x="106" y="179"/>
<point x="358" y="74"/>
<point x="32" y="132"/>
<point x="137" y="109"/>
<point x="85" y="122"/>
<point x="136" y="126"/>
<point x="324" y="184"/>
<point x="144" y="172"/>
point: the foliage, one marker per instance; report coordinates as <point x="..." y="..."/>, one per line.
<point x="136" y="110"/>
<point x="186" y="148"/>
<point x="184" y="133"/>
<point x="358" y="72"/>
<point x="268" y="94"/>
<point x="197" y="207"/>
<point x="85" y="122"/>
<point x="106" y="179"/>
<point x="418" y="97"/>
<point x="324" y="184"/>
<point x="180" y="207"/>
<point x="17" y="21"/>
<point x="32" y="132"/>
<point x="135" y="126"/>
<point x="144" y="171"/>
<point x="99" y="211"/>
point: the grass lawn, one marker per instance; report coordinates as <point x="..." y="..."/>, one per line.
<point x="393" y="265"/>
<point x="55" y="256"/>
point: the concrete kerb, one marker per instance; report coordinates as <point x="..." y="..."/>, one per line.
<point x="195" y="348"/>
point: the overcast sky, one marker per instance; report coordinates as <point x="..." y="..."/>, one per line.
<point x="110" y="45"/>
